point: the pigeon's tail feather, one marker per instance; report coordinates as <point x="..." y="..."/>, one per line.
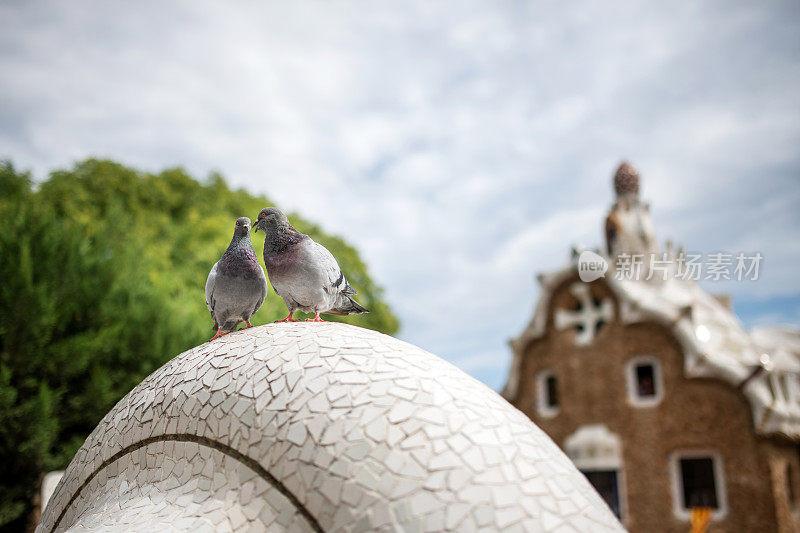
<point x="348" y="306"/>
<point x="348" y="290"/>
<point x="358" y="308"/>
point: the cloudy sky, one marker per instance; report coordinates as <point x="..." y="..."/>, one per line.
<point x="461" y="146"/>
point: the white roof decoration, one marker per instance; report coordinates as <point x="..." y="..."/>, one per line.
<point x="319" y="427"/>
<point x="764" y="362"/>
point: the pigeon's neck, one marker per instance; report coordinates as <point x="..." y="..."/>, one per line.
<point x="280" y="238"/>
<point x="240" y="258"/>
<point x="240" y="242"/>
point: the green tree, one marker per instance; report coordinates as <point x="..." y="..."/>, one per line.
<point x="101" y="282"/>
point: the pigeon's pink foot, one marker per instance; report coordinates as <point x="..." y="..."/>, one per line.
<point x="219" y="334"/>
<point x="249" y="325"/>
<point x="288" y="318"/>
<point x="315" y="319"/>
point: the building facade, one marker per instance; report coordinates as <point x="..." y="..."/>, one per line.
<point x="655" y="390"/>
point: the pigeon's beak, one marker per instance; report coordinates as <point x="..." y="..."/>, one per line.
<point x="255" y="225"/>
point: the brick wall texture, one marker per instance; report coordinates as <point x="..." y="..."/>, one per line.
<point x="694" y="414"/>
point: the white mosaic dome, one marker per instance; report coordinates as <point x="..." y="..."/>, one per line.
<point x="318" y="427"/>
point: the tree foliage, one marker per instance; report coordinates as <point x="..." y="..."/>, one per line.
<point x="101" y="282"/>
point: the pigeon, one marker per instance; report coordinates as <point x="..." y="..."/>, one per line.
<point x="303" y="272"/>
<point x="236" y="286"/>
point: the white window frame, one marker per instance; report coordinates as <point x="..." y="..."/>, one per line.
<point x="575" y="446"/>
<point x="658" y="382"/>
<point x="677" y="484"/>
<point x="542" y="408"/>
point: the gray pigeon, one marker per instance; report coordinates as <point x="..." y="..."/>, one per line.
<point x="236" y="286"/>
<point x="302" y="272"/>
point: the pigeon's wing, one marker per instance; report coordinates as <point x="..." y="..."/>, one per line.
<point x="333" y="276"/>
<point x="211" y="283"/>
<point x="262" y="293"/>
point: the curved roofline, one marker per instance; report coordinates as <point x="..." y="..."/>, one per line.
<point x="713" y="341"/>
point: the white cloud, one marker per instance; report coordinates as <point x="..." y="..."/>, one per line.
<point x="460" y="146"/>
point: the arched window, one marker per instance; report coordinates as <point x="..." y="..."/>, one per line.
<point x="547" y="397"/>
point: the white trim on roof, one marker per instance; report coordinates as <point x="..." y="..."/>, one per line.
<point x="713" y="341"/>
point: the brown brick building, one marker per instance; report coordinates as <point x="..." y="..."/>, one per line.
<point x="655" y="390"/>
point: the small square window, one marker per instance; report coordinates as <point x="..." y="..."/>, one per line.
<point x="644" y="381"/>
<point x="547" y="398"/>
<point x="699" y="487"/>
<point x="698" y="482"/>
<point x="551" y="391"/>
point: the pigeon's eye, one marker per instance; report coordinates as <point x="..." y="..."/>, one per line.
<point x="238" y="223"/>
